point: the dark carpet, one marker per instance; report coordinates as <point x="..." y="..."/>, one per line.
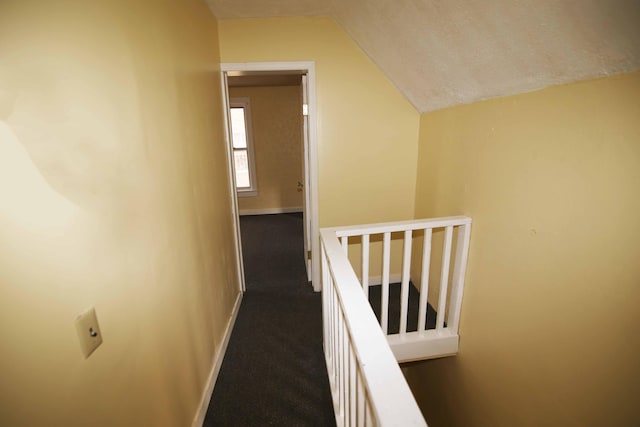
<point x="274" y="372"/>
<point x="413" y="306"/>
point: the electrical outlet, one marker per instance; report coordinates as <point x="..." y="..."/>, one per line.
<point x="88" y="332"/>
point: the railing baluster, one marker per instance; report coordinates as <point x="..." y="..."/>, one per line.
<point x="459" y="270"/>
<point x="370" y="419"/>
<point x="444" y="277"/>
<point x="347" y="374"/>
<point x="327" y="288"/>
<point x="386" y="258"/>
<point x="424" y="280"/>
<point x="361" y="396"/>
<point x="336" y="337"/>
<point x="365" y="264"/>
<point x="345" y="244"/>
<point x="344" y="375"/>
<point x="341" y="365"/>
<point x="334" y="332"/>
<point x="338" y="370"/>
<point x="325" y="305"/>
<point x="352" y="387"/>
<point x="332" y="343"/>
<point x="404" y="294"/>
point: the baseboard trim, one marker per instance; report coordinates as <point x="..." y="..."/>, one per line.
<point x="377" y="280"/>
<point x="268" y="211"/>
<point x="217" y="364"/>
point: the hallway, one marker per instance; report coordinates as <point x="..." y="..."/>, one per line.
<point x="274" y="372"/>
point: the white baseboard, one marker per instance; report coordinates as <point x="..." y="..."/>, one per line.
<point x="217" y="363"/>
<point x="377" y="280"/>
<point x="269" y="211"/>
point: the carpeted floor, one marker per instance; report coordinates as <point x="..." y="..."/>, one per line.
<point x="413" y="306"/>
<point x="274" y="371"/>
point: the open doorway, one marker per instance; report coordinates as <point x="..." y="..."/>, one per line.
<point x="300" y="77"/>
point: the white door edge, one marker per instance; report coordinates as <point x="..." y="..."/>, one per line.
<point x="232" y="185"/>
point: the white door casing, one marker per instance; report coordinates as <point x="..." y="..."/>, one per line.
<point x="310" y="153"/>
<point x="232" y="182"/>
<point x="305" y="171"/>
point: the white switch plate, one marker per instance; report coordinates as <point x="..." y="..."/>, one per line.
<point x="88" y="332"/>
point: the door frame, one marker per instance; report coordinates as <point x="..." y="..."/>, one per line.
<point x="310" y="150"/>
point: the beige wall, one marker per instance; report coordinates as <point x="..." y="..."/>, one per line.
<point x="367" y="131"/>
<point x="276" y="116"/>
<point x="550" y="314"/>
<point x="114" y="194"/>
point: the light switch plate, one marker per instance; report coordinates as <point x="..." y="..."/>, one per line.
<point x="88" y="332"/>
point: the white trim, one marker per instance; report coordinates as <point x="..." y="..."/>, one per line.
<point x="430" y="344"/>
<point x="312" y="186"/>
<point x="305" y="167"/>
<point x="245" y="103"/>
<point x="358" y="357"/>
<point x="232" y="183"/>
<point x="247" y="193"/>
<point x="269" y="211"/>
<point x="198" y="420"/>
<point x="377" y="280"/>
<point x="394" y="227"/>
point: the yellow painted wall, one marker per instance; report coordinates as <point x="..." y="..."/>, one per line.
<point x="114" y="194"/>
<point x="276" y="116"/>
<point x="367" y="131"/>
<point x="550" y="313"/>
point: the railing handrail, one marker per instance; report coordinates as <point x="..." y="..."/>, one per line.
<point x="391" y="399"/>
<point x="377" y="228"/>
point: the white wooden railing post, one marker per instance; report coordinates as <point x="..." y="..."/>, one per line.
<point x="424" y="280"/>
<point x="365" y="264"/>
<point x="406" y="273"/>
<point x="459" y="271"/>
<point x="386" y="261"/>
<point x="444" y="277"/>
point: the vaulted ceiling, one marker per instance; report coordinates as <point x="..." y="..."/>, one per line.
<point x="441" y="53"/>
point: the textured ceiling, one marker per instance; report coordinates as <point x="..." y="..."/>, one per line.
<point x="444" y="53"/>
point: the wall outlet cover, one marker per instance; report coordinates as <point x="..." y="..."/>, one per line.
<point x="88" y="332"/>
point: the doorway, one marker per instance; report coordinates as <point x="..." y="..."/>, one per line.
<point x="278" y="73"/>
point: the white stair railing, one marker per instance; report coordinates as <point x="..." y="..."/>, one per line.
<point x="422" y="343"/>
<point x="367" y="385"/>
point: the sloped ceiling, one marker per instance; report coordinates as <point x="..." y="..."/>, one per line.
<point x="444" y="53"/>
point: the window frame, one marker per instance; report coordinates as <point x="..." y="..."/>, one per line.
<point x="252" y="190"/>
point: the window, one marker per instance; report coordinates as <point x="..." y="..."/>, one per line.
<point x="242" y="143"/>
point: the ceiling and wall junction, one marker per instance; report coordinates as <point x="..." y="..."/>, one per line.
<point x="440" y="54"/>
